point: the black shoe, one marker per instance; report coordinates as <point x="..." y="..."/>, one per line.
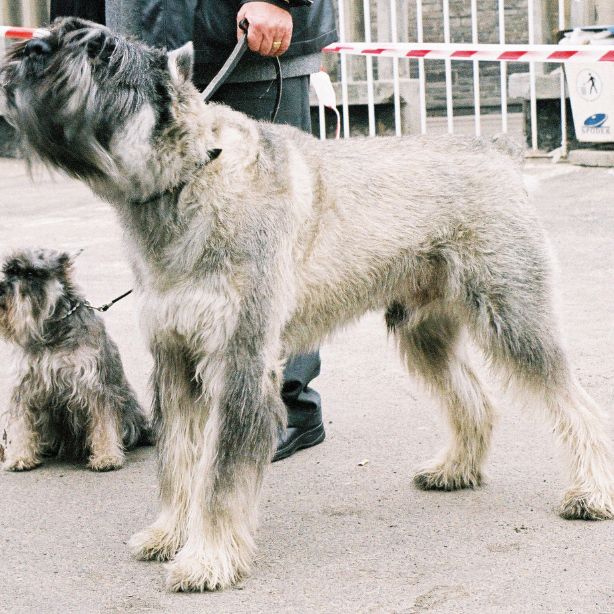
<point x="293" y="439"/>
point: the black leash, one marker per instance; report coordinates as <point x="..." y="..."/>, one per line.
<point x="280" y="86"/>
<point x="87" y="304"/>
<point x="106" y="306"/>
<point x="231" y="63"/>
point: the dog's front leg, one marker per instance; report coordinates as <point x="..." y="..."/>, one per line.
<point x="179" y="412"/>
<point x="23" y="440"/>
<point x="239" y="437"/>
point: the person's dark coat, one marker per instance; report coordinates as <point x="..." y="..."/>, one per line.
<point x="86" y="9"/>
<point x="212" y="26"/>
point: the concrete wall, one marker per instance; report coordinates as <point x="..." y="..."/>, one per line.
<point x="592" y="12"/>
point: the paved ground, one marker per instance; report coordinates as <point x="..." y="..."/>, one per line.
<point x="335" y="536"/>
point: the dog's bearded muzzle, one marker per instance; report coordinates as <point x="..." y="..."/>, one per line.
<point x="5" y="329"/>
<point x="50" y="106"/>
<point x="3" y="293"/>
<point x="67" y="94"/>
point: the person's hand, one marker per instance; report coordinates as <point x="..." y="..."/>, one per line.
<point x="270" y="28"/>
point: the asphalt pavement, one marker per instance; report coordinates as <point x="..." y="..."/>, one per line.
<point x="342" y="527"/>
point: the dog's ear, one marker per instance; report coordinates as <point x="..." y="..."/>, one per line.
<point x="213" y="154"/>
<point x="181" y="63"/>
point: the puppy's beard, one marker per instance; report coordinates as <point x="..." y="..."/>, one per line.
<point x="28" y="319"/>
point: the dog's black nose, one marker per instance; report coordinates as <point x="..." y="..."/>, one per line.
<point x="37" y="47"/>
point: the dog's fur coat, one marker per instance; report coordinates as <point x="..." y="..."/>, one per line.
<point x="250" y="242"/>
<point x="71" y="398"/>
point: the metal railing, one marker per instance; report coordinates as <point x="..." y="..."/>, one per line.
<point x="447" y="36"/>
<point x="30" y="13"/>
<point x="24" y="12"/>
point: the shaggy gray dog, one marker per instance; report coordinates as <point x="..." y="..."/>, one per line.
<point x="72" y="398"/>
<point x="250" y="242"/>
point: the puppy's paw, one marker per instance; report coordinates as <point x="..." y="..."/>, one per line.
<point x="21" y="463"/>
<point x="105" y="462"/>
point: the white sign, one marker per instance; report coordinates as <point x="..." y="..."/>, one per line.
<point x="591" y="89"/>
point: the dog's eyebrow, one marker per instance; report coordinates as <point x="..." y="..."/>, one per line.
<point x="39" y="271"/>
<point x="11" y="267"/>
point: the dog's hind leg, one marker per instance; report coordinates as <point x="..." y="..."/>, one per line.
<point x="523" y="338"/>
<point x="104" y="435"/>
<point x="103" y="432"/>
<point x="581" y="426"/>
<point x="179" y="416"/>
<point x="432" y="349"/>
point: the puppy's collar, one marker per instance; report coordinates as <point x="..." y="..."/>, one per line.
<point x="87" y="304"/>
<point x="71" y="310"/>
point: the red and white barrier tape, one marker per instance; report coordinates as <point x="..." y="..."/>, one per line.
<point x="499" y="53"/>
<point x="22" y="33"/>
<point x="432" y="51"/>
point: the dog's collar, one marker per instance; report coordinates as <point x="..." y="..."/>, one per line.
<point x="213" y="154"/>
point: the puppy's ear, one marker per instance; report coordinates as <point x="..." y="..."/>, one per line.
<point x="181" y="63"/>
<point x="74" y="255"/>
<point x="66" y="259"/>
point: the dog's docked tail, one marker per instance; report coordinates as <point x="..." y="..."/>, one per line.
<point x="505" y="145"/>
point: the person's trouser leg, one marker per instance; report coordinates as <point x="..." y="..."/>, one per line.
<point x="305" y="427"/>
<point x="257" y="99"/>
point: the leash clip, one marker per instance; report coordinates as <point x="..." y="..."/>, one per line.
<point x="244" y="25"/>
<point x="107" y="306"/>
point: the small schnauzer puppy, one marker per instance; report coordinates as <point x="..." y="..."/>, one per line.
<point x="72" y="398"/>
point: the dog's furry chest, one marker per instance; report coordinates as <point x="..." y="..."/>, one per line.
<point x="53" y="373"/>
<point x="190" y="312"/>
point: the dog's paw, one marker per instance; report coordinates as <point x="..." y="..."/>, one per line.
<point x="587" y="506"/>
<point x="105" y="462"/>
<point x="444" y="478"/>
<point x="198" y="574"/>
<point x="153" y="544"/>
<point x="21" y="463"/>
